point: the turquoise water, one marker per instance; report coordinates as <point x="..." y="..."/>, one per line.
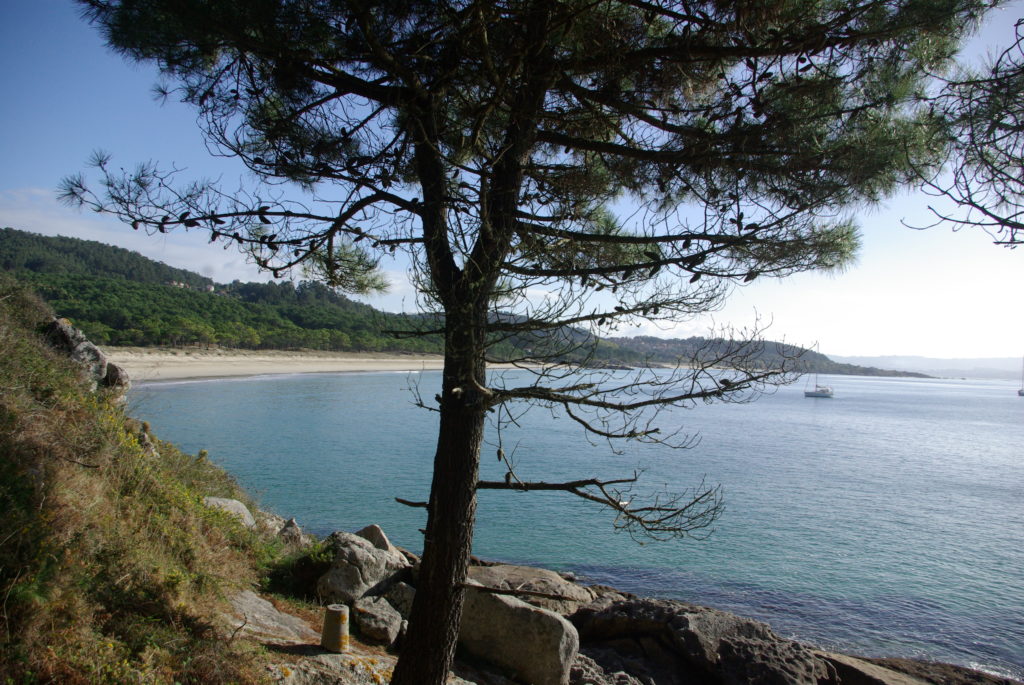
<point x="886" y="521"/>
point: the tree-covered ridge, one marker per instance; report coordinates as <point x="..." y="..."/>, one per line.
<point x="119" y="297"/>
<point x="24" y="251"/>
<point x="652" y="350"/>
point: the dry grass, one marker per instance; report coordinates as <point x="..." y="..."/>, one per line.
<point x="111" y="570"/>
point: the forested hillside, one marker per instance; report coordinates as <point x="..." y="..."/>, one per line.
<point x="667" y="350"/>
<point x="21" y="251"/>
<point x="119" y="297"/>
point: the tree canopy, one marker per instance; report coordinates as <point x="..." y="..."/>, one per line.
<point x="984" y="175"/>
<point x="543" y="163"/>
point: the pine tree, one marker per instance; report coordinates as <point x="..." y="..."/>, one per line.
<point x="629" y="159"/>
<point x="983" y="113"/>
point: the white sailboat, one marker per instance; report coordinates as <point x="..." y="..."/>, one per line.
<point x="819" y="390"/>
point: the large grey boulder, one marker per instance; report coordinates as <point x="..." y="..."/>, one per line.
<point x="234" y="507"/>
<point x="856" y="671"/>
<point x="570" y="596"/>
<point x="358" y="568"/>
<point x="92" y="361"/>
<point x="63" y="336"/>
<point x="535" y="644"/>
<point x="374" y="534"/>
<point x="255" y="616"/>
<point x="376" y="620"/>
<point x="400" y="596"/>
<point x="117" y="379"/>
<point x="676" y="643"/>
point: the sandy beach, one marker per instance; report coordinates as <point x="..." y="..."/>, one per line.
<point x="164" y="364"/>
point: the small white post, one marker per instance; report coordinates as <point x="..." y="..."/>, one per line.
<point x="334" y="637"/>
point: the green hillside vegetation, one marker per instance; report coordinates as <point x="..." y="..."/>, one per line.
<point x="111" y="569"/>
<point x="24" y="251"/>
<point x="119" y="297"/>
<point x="649" y="349"/>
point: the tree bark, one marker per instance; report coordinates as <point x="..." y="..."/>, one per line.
<point x="429" y="646"/>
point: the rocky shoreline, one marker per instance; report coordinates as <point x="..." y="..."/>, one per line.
<point x="531" y="625"/>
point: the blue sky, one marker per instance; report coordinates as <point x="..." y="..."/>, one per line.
<point x="935" y="293"/>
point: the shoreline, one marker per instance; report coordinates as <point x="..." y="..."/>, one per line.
<point x="156" y="364"/>
<point x="174" y="364"/>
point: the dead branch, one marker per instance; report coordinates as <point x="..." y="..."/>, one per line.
<point x="662" y="517"/>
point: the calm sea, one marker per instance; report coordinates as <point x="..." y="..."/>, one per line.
<point x="887" y="521"/>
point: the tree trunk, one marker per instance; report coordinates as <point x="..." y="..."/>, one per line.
<point x="429" y="646"/>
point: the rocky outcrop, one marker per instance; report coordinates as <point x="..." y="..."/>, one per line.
<point x="355" y="668"/>
<point x="931" y="672"/>
<point x="611" y="638"/>
<point x="536" y="645"/>
<point x="117" y="378"/>
<point x="288" y="531"/>
<point x="400" y="596"/>
<point x="376" y="620"/>
<point x="586" y="671"/>
<point x="257" y="617"/>
<point x="291" y="534"/>
<point x="674" y="643"/>
<point x="359" y="568"/>
<point x="233" y="507"/>
<point x="62" y="335"/>
<point x="374" y="534"/>
<point x="560" y="595"/>
<point x="854" y="671"/>
<point x="268" y="523"/>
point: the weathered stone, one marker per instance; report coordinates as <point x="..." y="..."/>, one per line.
<point x="358" y="568"/>
<point x="268" y="522"/>
<point x="147" y="444"/>
<point x="535" y="644"/>
<point x="376" y="620"/>
<point x="63" y="335"/>
<point x="291" y="534"/>
<point x="256" y="616"/>
<point x="375" y="535"/>
<point x="586" y="671"/>
<point x="117" y="378"/>
<point x="679" y="643"/>
<point x="232" y="506"/>
<point x="355" y="668"/>
<point x="401" y="595"/>
<point x="854" y="671"/>
<point x="932" y="672"/>
<point x="779" y="662"/>
<point x="92" y="361"/>
<point x="508" y="577"/>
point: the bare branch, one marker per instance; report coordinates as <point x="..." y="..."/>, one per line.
<point x="658" y="516"/>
